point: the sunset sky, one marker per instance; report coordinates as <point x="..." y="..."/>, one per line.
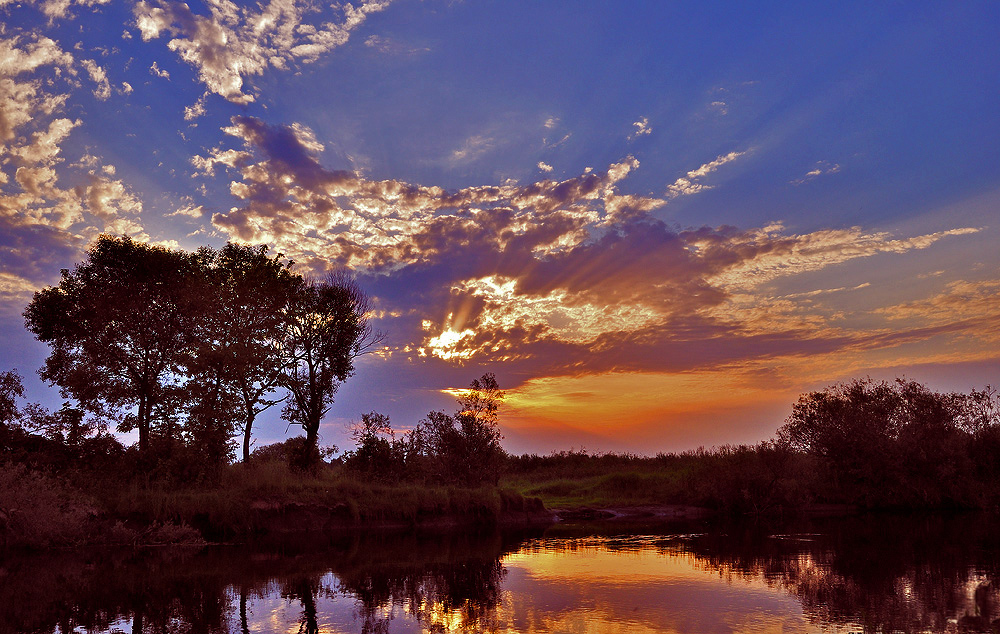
<point x="658" y="223"/>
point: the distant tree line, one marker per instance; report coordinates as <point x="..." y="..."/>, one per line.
<point x="460" y="448"/>
<point x="863" y="443"/>
<point x="188" y="348"/>
<point x="898" y="443"/>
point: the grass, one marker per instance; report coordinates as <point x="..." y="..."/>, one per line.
<point x="637" y="487"/>
<point x="244" y="499"/>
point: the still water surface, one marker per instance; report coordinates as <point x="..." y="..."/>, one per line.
<point x="831" y="575"/>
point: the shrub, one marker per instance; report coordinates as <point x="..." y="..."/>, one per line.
<point x="37" y="510"/>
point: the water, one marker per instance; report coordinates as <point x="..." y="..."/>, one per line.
<point x="858" y="574"/>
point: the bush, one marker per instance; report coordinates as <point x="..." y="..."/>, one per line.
<point x="37" y="510"/>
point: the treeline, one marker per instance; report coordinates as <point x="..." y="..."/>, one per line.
<point x="864" y="443"/>
<point x="188" y="348"/>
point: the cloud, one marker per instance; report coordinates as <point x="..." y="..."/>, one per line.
<point x="642" y="128"/>
<point x="232" y="43"/>
<point x="195" y="110"/>
<point x="189" y="210"/>
<point x="543" y="166"/>
<point x="473" y="148"/>
<point x="961" y="301"/>
<point x="23" y="99"/>
<point x="100" y="77"/>
<point x="158" y="72"/>
<point x="691" y="182"/>
<point x="388" y="46"/>
<point x="557" y="277"/>
<point x="57" y="9"/>
<point x="767" y="253"/>
<point x="822" y="168"/>
<point x="45" y="222"/>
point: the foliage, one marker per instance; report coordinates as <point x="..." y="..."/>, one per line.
<point x="120" y="326"/>
<point x="896" y="443"/>
<point x="239" y="362"/>
<point x="37" y="510"/>
<point x="11" y="389"/>
<point x="328" y="329"/>
<point x="188" y="348"/>
<point x="379" y="454"/>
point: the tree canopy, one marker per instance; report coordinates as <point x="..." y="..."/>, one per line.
<point x="188" y="348"/>
<point x="121" y="327"/>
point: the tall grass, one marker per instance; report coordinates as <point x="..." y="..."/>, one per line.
<point x="737" y="479"/>
<point x="247" y="499"/>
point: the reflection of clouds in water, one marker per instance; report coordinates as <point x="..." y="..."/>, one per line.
<point x="640" y="590"/>
<point x="885" y="574"/>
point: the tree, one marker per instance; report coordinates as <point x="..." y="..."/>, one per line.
<point x="121" y="329"/>
<point x="466" y="445"/>
<point x="11" y="389"/>
<point x="328" y="328"/>
<point x="239" y="361"/>
<point x="885" y="443"/>
<point x="378" y="454"/>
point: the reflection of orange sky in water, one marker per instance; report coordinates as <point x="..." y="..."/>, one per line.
<point x="594" y="590"/>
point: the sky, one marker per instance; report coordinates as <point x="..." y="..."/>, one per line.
<point x="657" y="223"/>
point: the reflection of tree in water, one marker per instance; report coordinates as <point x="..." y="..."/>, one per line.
<point x="442" y="597"/>
<point x="890" y="574"/>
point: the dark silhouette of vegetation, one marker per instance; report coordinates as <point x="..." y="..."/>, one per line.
<point x="328" y="329"/>
<point x="121" y="326"/>
<point x="461" y="448"/>
<point x="881" y="443"/>
<point x="240" y="359"/>
<point x="864" y="444"/>
<point x="188" y="348"/>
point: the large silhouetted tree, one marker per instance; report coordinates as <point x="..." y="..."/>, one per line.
<point x="328" y="329"/>
<point x="240" y="361"/>
<point x="121" y="329"/>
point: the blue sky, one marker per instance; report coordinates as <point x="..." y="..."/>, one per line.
<point x="658" y="223"/>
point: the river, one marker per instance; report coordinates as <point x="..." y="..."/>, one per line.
<point x="854" y="574"/>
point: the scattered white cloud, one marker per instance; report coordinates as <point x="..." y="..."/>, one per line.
<point x="232" y="43"/>
<point x="100" y="77"/>
<point x="157" y="71"/>
<point x="568" y="272"/>
<point x="545" y="167"/>
<point x="642" y="128"/>
<point x="473" y="148"/>
<point x="822" y="168"/>
<point x="189" y="210"/>
<point x="388" y="46"/>
<point x="195" y="110"/>
<point x="691" y="182"/>
<point x="44" y="220"/>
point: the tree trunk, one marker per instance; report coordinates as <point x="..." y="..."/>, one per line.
<point x="247" y="430"/>
<point x="142" y="422"/>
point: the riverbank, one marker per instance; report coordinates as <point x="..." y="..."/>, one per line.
<point x="242" y="503"/>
